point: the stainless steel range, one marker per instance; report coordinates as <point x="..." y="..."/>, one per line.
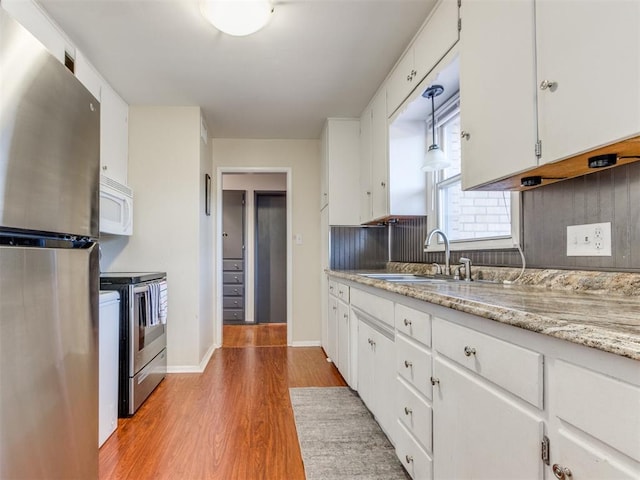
<point x="143" y="334"/>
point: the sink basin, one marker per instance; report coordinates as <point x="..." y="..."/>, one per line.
<point x="403" y="277"/>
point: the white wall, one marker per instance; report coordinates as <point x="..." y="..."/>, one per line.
<point x="206" y="260"/>
<point x="252" y="182"/>
<point x="303" y="157"/>
<point x="167" y="162"/>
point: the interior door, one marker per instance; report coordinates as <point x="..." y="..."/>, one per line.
<point x="271" y="258"/>
<point x="233" y="224"/>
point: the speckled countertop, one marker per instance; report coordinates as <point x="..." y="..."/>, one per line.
<point x="599" y="310"/>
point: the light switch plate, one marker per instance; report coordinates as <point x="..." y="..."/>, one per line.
<point x="590" y="240"/>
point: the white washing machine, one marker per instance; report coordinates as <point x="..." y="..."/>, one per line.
<point x="108" y="333"/>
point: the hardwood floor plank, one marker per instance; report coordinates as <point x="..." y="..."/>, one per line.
<point x="232" y="422"/>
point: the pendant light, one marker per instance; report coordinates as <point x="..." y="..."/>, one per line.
<point x="435" y="159"/>
<point x="237" y="17"/>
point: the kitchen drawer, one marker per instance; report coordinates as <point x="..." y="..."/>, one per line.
<point x="576" y="393"/>
<point x="414" y="324"/>
<point x="233" y="302"/>
<point x="414" y="459"/>
<point x="333" y="287"/>
<point x="232" y="314"/>
<point x="343" y="292"/>
<point x="413" y="363"/>
<point x="232" y="290"/>
<point x="232" y="265"/>
<point x="232" y="277"/>
<point x="514" y="368"/>
<point x="377" y="307"/>
<point x="414" y="413"/>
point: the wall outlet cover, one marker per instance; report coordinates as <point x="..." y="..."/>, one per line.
<point x="590" y="240"/>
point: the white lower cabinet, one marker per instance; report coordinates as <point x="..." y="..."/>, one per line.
<point x="480" y="432"/>
<point x="471" y="398"/>
<point x="414" y="458"/>
<point x="342" y="360"/>
<point x="331" y="347"/>
<point x="376" y="371"/>
<point x="593" y="447"/>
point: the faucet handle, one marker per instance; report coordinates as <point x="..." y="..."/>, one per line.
<point x="466" y="264"/>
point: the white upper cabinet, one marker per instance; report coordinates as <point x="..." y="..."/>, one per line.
<point x="30" y="16"/>
<point x="590" y="52"/>
<point x="545" y="80"/>
<point x="341" y="165"/>
<point x="379" y="157"/>
<point x="497" y="90"/>
<point x="366" y="207"/>
<point x="436" y="38"/>
<point x="114" y="135"/>
<point x="88" y="76"/>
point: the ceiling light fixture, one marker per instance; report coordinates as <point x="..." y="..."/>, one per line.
<point x="237" y="17"/>
<point x="435" y="159"/>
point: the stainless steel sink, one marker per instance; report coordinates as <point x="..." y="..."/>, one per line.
<point x="404" y="277"/>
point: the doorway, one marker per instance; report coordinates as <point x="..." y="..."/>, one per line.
<point x="260" y="185"/>
<point x="271" y="257"/>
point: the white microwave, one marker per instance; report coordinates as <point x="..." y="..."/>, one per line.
<point x="116" y="207"/>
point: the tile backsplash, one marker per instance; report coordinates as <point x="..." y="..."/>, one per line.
<point x="611" y="195"/>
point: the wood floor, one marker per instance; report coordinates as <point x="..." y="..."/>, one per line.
<point x="232" y="422"/>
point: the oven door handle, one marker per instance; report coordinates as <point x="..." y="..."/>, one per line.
<point x="140" y="288"/>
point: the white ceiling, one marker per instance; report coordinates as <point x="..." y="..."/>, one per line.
<point x="315" y="59"/>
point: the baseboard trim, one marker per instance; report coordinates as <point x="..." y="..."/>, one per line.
<point x="193" y="368"/>
<point x="307" y="343"/>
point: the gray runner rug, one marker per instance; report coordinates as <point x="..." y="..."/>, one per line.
<point x="339" y="438"/>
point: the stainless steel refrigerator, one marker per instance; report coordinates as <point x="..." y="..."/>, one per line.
<point x="49" y="273"/>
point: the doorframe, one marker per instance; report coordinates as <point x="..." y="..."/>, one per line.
<point x="218" y="244"/>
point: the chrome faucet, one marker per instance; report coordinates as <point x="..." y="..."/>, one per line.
<point x="447" y="269"/>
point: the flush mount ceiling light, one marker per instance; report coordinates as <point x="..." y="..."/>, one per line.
<point x="435" y="159"/>
<point x="237" y="17"/>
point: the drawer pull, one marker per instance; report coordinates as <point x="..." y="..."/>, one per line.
<point x="407" y="322"/>
<point x="468" y="351"/>
<point x="434" y="381"/>
<point x="561" y="472"/>
<point x="408" y="411"/>
<point x="408" y="458"/>
<point x="408" y="364"/>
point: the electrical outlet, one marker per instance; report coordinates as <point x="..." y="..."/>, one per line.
<point x="591" y="240"/>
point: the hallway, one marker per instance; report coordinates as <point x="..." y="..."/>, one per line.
<point x="232" y="422"/>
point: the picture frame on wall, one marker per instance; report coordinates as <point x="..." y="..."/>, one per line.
<point x="207" y="194"/>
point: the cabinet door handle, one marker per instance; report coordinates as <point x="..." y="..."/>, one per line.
<point x="383" y="184"/>
<point x="548" y="85"/>
<point x="408" y="364"/>
<point x="408" y="411"/>
<point x="434" y="381"/>
<point x="465" y="135"/>
<point x="409" y="77"/>
<point x="468" y="351"/>
<point x="407" y="322"/>
<point x="408" y="458"/>
<point x="345" y="316"/>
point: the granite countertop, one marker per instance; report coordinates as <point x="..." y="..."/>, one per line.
<point x="584" y="309"/>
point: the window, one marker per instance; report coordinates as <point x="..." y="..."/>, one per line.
<point x="470" y="216"/>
